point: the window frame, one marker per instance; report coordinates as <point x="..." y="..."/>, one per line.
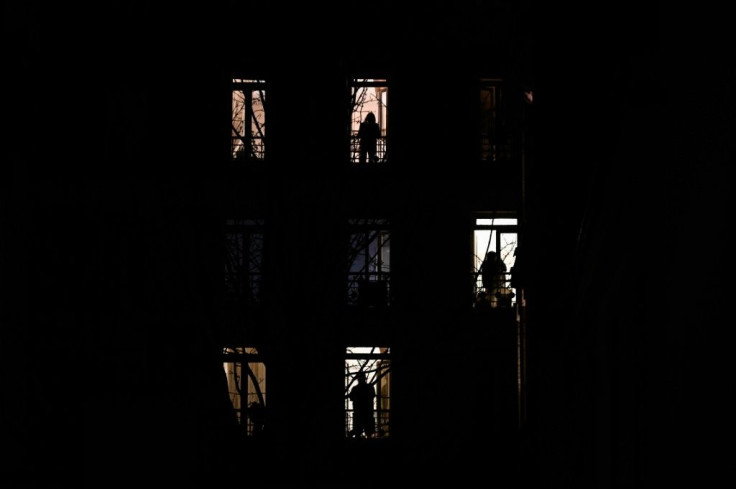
<point x="497" y="231"/>
<point x="382" y="117"/>
<point x="239" y="358"/>
<point x="248" y="86"/>
<point x="249" y="229"/>
<point x="382" y="401"/>
<point x="370" y="285"/>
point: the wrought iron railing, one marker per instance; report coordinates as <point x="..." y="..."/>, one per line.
<point x="495" y="149"/>
<point x="498" y="295"/>
<point x="248" y="148"/>
<point x="381" y="421"/>
<point x="369" y="289"/>
<point x="381" y="153"/>
<point x="243" y="288"/>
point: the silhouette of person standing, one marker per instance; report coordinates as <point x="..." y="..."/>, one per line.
<point x="368" y="135"/>
<point x="362" y="395"/>
<point x="493" y="275"/>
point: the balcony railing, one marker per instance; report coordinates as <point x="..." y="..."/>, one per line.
<point x="381" y="154"/>
<point x="248" y="149"/>
<point x="372" y="289"/>
<point x="380" y="421"/>
<point x="244" y="289"/>
<point x="496" y="150"/>
<point x="500" y="295"/>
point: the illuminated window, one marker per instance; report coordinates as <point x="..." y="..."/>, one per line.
<point x="244" y="259"/>
<point x="246" y="381"/>
<point x="367" y="415"/>
<point x="495" y="143"/>
<point x="248" y="125"/>
<point x="369" y="263"/>
<point x="368" y="121"/>
<point x="492" y="284"/>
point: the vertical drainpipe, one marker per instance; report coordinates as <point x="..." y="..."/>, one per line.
<point x="521" y="300"/>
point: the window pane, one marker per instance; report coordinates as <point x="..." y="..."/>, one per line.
<point x="498" y="221"/>
<point x="508" y="247"/>
<point x="487" y="121"/>
<point x="238" y="123"/>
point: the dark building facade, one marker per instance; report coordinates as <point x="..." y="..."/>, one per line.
<point x="373" y="264"/>
<point x="198" y="260"/>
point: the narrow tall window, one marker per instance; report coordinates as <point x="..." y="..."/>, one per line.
<point x="369" y="263"/>
<point x="248" y="125"/>
<point x="494" y="138"/>
<point x="244" y="259"/>
<point x="367" y="392"/>
<point x="494" y="248"/>
<point x="368" y="121"/>
<point x="246" y="380"/>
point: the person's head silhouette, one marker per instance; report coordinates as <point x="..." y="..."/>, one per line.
<point x="370" y="118"/>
